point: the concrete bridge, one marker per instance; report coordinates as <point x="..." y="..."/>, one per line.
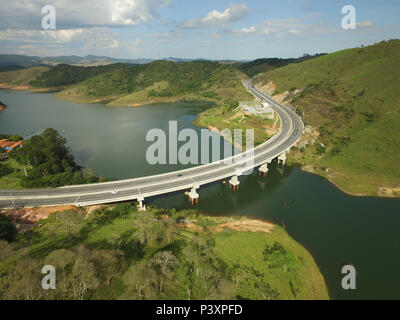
<point x="189" y="180"/>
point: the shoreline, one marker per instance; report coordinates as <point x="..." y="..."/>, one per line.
<point x="107" y="101"/>
<point x="112" y="101"/>
<point x="357" y="195"/>
<point x="28" y="88"/>
<point x="195" y="123"/>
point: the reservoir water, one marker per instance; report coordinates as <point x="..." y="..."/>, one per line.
<point x="336" y="228"/>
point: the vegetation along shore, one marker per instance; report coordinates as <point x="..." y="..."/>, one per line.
<point x="117" y="252"/>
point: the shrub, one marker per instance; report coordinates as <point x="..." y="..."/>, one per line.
<point x="5" y="170"/>
<point x="7" y="230"/>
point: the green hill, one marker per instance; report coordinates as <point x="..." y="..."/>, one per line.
<point x="118" y="252"/>
<point x="64" y="75"/>
<point x="123" y="84"/>
<point x="11" y="68"/>
<point x="21" y="77"/>
<point x="255" y="67"/>
<point x="352" y="98"/>
<point x="159" y="81"/>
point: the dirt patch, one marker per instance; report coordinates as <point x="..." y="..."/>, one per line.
<point x="32" y="215"/>
<point x="389" y="192"/>
<point x="283" y="98"/>
<point x="309" y="137"/>
<point x="244" y="225"/>
<point x="91" y="209"/>
<point x="269" y="88"/>
<point x="12" y="87"/>
<point x="27" y="88"/>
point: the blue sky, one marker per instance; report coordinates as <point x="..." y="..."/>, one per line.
<point x="216" y="29"/>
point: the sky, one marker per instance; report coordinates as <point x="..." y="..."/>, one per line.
<point x="210" y="29"/>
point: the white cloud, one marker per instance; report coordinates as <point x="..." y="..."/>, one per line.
<point x="244" y="31"/>
<point x="281" y="28"/>
<point x="235" y="12"/>
<point x="96" y="40"/>
<point x="80" y="13"/>
<point x="364" y="24"/>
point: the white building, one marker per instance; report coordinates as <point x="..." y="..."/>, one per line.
<point x="263" y="111"/>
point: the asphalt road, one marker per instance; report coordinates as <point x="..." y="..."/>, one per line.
<point x="134" y="189"/>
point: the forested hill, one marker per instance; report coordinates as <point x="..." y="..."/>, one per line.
<point x="157" y="80"/>
<point x="255" y="67"/>
<point x="64" y="74"/>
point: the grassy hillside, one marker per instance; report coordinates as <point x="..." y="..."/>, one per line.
<point x="352" y="98"/>
<point x="120" y="253"/>
<point x="21" y="77"/>
<point x="228" y="117"/>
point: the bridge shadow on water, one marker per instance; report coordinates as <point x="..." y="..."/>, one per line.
<point x="217" y="198"/>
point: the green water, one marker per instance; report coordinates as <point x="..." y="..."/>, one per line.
<point x="336" y="228"/>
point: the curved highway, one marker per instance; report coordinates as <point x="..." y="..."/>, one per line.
<point x="141" y="188"/>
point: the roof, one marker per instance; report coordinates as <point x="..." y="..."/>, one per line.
<point x="9" y="144"/>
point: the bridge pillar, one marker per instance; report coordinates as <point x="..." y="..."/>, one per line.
<point x="193" y="196"/>
<point x="263" y="170"/>
<point x="282" y="158"/>
<point x="141" y="205"/>
<point x="234" y="183"/>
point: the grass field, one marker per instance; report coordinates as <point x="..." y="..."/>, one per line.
<point x="299" y="279"/>
<point x="12" y="180"/>
<point x="221" y="118"/>
<point x="352" y="98"/>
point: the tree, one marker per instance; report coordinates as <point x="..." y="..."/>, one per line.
<point x="5" y="170"/>
<point x="62" y="260"/>
<point x="164" y="261"/>
<point x="265" y="290"/>
<point x="108" y="263"/>
<point x="23" y="282"/>
<point x="7" y="229"/>
<point x="83" y="274"/>
<point x="149" y="229"/>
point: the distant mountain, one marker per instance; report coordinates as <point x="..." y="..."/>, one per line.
<point x="18" y="60"/>
<point x="9" y="60"/>
<point x="12" y="67"/>
<point x="15" y="62"/>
